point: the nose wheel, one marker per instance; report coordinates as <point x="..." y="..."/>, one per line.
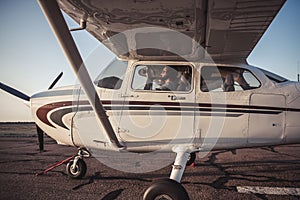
<point x="76" y="168"/>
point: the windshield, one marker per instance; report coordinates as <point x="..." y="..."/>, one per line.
<point x="274" y="77"/>
<point x="112" y="76"/>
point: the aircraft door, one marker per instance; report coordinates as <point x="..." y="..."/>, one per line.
<point x="223" y="118"/>
<point x="86" y="130"/>
<point x="266" y="123"/>
<point x="159" y="105"/>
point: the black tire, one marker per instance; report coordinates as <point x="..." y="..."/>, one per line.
<point x="191" y="159"/>
<point x="166" y="189"/>
<point x="79" y="171"/>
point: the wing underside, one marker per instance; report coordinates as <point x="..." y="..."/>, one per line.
<point x="227" y="29"/>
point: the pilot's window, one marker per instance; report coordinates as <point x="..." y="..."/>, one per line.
<point x="112" y="76"/>
<point x="162" y="78"/>
<point x="227" y="79"/>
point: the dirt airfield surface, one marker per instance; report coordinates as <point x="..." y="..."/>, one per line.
<point x="257" y="173"/>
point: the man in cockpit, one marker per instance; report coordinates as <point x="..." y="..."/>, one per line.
<point x="169" y="79"/>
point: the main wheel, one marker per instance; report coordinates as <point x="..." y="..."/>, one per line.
<point x="191" y="159"/>
<point x="78" y="171"/>
<point x="166" y="189"/>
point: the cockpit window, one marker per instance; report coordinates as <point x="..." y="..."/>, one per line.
<point x="227" y="79"/>
<point x="162" y="77"/>
<point x="274" y="77"/>
<point x="112" y="76"/>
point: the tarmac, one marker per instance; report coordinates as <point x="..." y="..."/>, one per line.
<point x="253" y="173"/>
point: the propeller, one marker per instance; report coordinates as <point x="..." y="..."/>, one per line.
<point x="14" y="92"/>
<point x="21" y="95"/>
<point x="40" y="132"/>
<point x="55" y="81"/>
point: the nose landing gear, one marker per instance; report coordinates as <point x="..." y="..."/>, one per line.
<point x="76" y="168"/>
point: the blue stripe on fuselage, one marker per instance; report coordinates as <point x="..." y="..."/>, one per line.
<point x="55" y="93"/>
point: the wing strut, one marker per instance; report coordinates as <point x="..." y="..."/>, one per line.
<point x="59" y="27"/>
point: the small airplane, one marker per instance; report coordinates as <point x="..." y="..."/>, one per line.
<point x="181" y="84"/>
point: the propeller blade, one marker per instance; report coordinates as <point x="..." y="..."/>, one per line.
<point x="40" y="134"/>
<point x="56" y="80"/>
<point x="14" y="92"/>
<point x="39" y="131"/>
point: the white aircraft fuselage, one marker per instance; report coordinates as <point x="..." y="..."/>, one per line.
<point x="266" y="113"/>
<point x="183" y="84"/>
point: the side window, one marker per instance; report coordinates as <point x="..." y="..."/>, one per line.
<point x="227" y="79"/>
<point x="162" y="78"/>
<point x="112" y="76"/>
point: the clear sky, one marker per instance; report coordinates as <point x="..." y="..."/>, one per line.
<point x="31" y="57"/>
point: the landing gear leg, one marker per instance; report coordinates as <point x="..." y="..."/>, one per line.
<point x="179" y="165"/>
<point x="76" y="168"/>
<point x="171" y="189"/>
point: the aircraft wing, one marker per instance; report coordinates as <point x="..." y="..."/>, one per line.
<point x="227" y="29"/>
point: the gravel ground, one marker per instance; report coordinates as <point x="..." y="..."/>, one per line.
<point x="214" y="177"/>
